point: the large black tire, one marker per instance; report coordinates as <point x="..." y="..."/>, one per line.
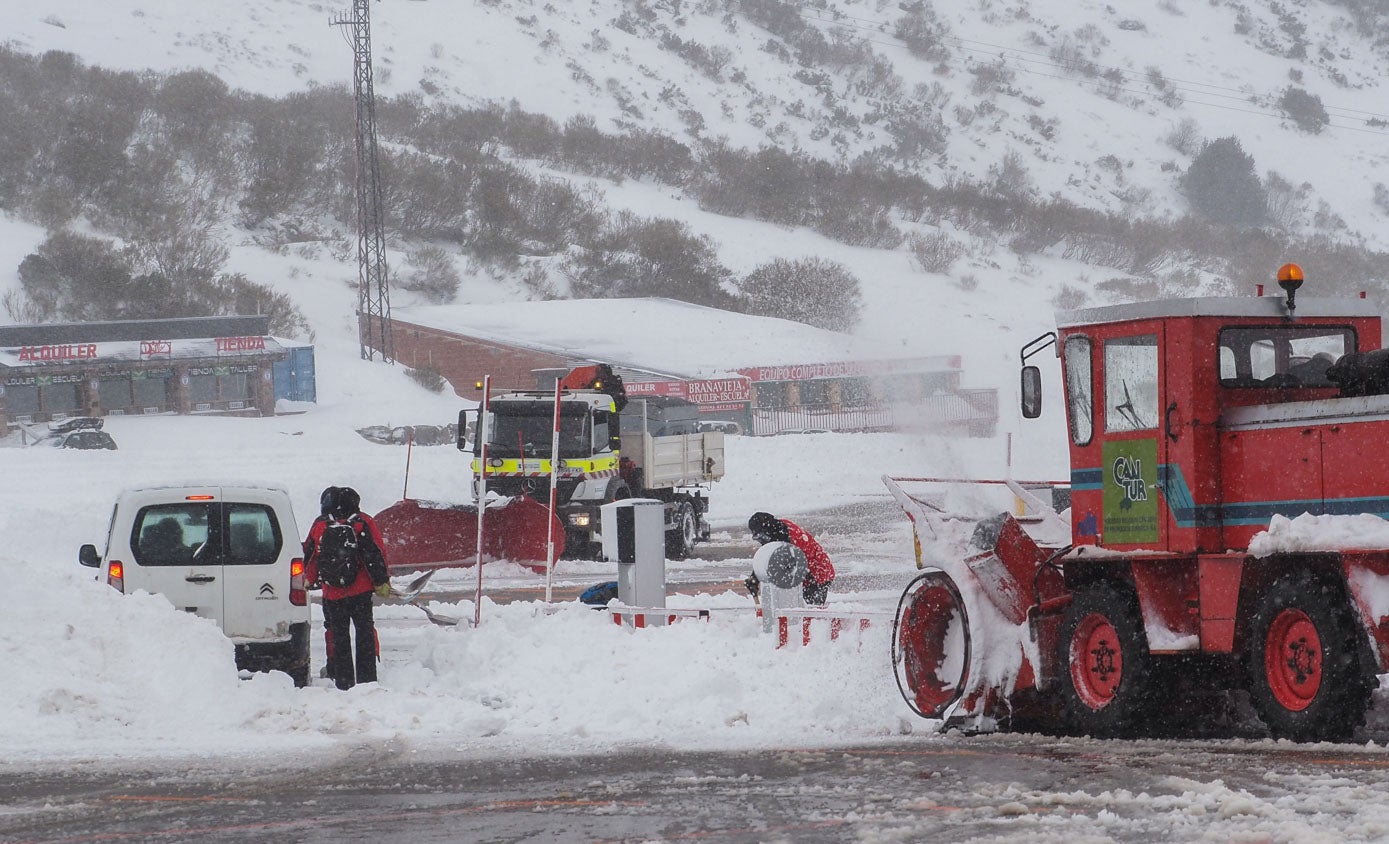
<point x="680" y="540"/>
<point x="1106" y="669"/>
<point x="1305" y="661"/>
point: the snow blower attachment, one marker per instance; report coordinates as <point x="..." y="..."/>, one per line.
<point x="971" y="632"/>
<point x="422" y="535"/>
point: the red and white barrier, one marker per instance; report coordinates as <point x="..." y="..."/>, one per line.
<point x="837" y="622"/>
<point x="642" y="616"/>
<point x="810" y="620"/>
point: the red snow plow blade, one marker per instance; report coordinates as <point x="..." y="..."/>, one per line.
<point x="423" y="535"/>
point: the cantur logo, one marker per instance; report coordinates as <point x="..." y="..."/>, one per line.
<point x="1128" y="474"/>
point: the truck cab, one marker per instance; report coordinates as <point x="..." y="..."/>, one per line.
<point x="1183" y="416"/>
<point x="610" y="449"/>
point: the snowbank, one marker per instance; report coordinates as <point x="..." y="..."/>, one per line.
<point x="1320" y="533"/>
<point x="94" y="675"/>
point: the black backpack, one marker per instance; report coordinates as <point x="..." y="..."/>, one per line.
<point x="339" y="553"/>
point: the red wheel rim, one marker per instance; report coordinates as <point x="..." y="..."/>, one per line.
<point x="1292" y="660"/>
<point x="923" y="635"/>
<point x="1097" y="662"/>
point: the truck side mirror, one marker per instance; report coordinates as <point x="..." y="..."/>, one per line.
<point x="465" y="419"/>
<point x="615" y="431"/>
<point x="1031" y="392"/>
<point x="87" y="556"/>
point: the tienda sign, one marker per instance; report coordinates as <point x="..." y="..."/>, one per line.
<point x="240" y="344"/>
<point x="50" y="354"/>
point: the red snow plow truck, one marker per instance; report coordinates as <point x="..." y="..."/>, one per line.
<point x="1194" y="425"/>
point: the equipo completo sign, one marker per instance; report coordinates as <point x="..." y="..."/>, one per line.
<point x="851" y="369"/>
<point x="710" y="391"/>
<point x="69" y="353"/>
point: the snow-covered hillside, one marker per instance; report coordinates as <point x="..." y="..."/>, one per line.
<point x="1085" y="92"/>
<point x="1098" y="107"/>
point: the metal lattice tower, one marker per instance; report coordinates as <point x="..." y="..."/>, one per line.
<point x="373" y="287"/>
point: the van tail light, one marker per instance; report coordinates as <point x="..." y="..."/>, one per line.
<point x="115" y="576"/>
<point x="297" y="595"/>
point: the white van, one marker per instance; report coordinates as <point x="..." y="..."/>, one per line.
<point x="228" y="553"/>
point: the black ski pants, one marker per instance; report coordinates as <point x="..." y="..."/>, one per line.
<point x="337" y="615"/>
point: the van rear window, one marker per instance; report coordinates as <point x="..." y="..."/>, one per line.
<point x="172" y="535"/>
<point x="253" y="536"/>
<point x="206" y="533"/>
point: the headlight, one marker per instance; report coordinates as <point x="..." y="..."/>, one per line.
<point x="578" y="519"/>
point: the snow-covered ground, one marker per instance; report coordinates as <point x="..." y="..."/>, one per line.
<point x="95" y="675"/>
<point x="91" y="676"/>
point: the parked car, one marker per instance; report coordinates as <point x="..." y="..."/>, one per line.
<point x="728" y="427"/>
<point x="86" y="440"/>
<point x="227" y="553"/>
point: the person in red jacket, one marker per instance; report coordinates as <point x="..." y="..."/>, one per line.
<point x="350" y="605"/>
<point x="768" y="528"/>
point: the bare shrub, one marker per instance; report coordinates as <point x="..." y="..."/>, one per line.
<point x="1382" y="197"/>
<point x="636" y="256"/>
<point x="936" y="252"/>
<point x="1069" y="297"/>
<point x="814" y="291"/>
<point x="1185" y="137"/>
<point x="432" y="273"/>
<point x="1286" y="201"/>
<point x="922" y="32"/>
<point x="428" y="377"/>
<point x="1010" y="177"/>
<point x="1305" y="110"/>
<point x="77" y="278"/>
<point x="991" y="77"/>
<point x="1073" y="58"/>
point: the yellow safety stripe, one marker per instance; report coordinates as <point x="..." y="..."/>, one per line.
<point x="534" y="467"/>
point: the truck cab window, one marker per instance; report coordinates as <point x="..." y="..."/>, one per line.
<point x="1281" y="356"/>
<point x="1131" y="383"/>
<point x="1080" y="389"/>
<point x="602" y="436"/>
<point x="526" y="429"/>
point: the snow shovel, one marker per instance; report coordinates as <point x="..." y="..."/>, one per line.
<point x="413" y="590"/>
<point x="437" y="618"/>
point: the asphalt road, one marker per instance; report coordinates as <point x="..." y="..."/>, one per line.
<point x="937" y="788"/>
<point x="907" y="788"/>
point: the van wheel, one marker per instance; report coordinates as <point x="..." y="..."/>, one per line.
<point x="680" y="540"/>
<point x="300" y="675"/>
